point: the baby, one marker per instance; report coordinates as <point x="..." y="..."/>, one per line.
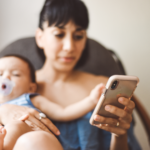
<point x="20" y="71"/>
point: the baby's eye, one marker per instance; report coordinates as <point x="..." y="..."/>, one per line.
<point x="17" y="74"/>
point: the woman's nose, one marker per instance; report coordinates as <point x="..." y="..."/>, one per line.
<point x="69" y="44"/>
<point x="6" y="74"/>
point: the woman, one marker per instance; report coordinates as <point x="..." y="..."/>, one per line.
<point x="62" y="36"/>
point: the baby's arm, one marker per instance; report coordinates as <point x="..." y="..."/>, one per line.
<point x="71" y="112"/>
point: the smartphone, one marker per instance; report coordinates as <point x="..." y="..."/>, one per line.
<point x="117" y="86"/>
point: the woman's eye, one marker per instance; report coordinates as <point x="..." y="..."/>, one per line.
<point x="59" y="35"/>
<point x="78" y="37"/>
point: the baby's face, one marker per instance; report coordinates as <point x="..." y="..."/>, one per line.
<point x="15" y="70"/>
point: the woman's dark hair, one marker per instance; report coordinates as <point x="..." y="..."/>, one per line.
<point x="59" y="12"/>
<point x="31" y="68"/>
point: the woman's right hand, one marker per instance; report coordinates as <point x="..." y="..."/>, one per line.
<point x="14" y="112"/>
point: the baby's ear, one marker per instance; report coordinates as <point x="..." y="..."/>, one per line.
<point x="32" y="88"/>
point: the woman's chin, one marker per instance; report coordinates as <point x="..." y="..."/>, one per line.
<point x="64" y="67"/>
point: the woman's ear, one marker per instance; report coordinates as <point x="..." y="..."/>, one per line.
<point x="32" y="87"/>
<point x="39" y="38"/>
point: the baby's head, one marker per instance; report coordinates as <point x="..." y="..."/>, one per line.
<point x="20" y="71"/>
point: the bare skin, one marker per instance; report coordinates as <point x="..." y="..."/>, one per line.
<point x="2" y="136"/>
<point x="17" y="127"/>
<point x="18" y="133"/>
<point x="34" y="141"/>
<point x="81" y="83"/>
<point x="48" y="140"/>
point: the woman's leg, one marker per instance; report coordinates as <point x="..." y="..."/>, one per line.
<point x="2" y="135"/>
<point x="38" y="140"/>
<point x="14" y="130"/>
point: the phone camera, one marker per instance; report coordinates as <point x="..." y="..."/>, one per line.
<point x="114" y="85"/>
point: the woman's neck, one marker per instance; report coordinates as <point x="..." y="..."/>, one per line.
<point x="50" y="74"/>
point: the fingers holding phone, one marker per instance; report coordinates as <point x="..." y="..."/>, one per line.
<point x="123" y="114"/>
<point x="129" y="104"/>
<point x="113" y="112"/>
<point x="119" y="129"/>
<point x="118" y="126"/>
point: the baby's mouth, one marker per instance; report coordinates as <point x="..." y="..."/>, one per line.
<point x="4" y="86"/>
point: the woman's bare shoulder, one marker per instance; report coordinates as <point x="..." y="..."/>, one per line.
<point x="91" y="78"/>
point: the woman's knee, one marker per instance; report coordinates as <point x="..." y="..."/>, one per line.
<point x="38" y="140"/>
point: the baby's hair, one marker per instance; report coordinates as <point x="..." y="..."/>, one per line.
<point x="31" y="68"/>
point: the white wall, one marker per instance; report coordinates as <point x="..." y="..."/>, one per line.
<point x="18" y="18"/>
<point x="121" y="25"/>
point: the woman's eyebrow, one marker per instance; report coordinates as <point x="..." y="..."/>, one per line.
<point x="79" y="29"/>
<point x="60" y="27"/>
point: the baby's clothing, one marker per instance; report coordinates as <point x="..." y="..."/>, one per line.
<point x="23" y="100"/>
<point x="80" y="135"/>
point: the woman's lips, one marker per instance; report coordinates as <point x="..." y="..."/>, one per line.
<point x="67" y="59"/>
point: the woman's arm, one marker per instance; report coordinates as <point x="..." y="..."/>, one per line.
<point x="14" y="112"/>
<point x="71" y="112"/>
<point x="119" y="142"/>
<point x="118" y="127"/>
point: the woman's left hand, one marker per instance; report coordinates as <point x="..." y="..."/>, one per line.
<point x="122" y="124"/>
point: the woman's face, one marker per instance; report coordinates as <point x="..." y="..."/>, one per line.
<point x="62" y="45"/>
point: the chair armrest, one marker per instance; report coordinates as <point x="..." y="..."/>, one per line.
<point x="142" y="114"/>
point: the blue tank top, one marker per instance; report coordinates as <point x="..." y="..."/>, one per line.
<point x="80" y="135"/>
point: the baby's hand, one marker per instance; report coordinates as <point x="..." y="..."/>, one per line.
<point x="96" y="92"/>
<point x="2" y="136"/>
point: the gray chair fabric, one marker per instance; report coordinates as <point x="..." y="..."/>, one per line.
<point x="95" y="59"/>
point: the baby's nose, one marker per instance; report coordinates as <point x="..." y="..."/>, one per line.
<point x="6" y="74"/>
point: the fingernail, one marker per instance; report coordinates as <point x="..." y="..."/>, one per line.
<point x="58" y="132"/>
<point x="96" y="117"/>
<point x="107" y="107"/>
